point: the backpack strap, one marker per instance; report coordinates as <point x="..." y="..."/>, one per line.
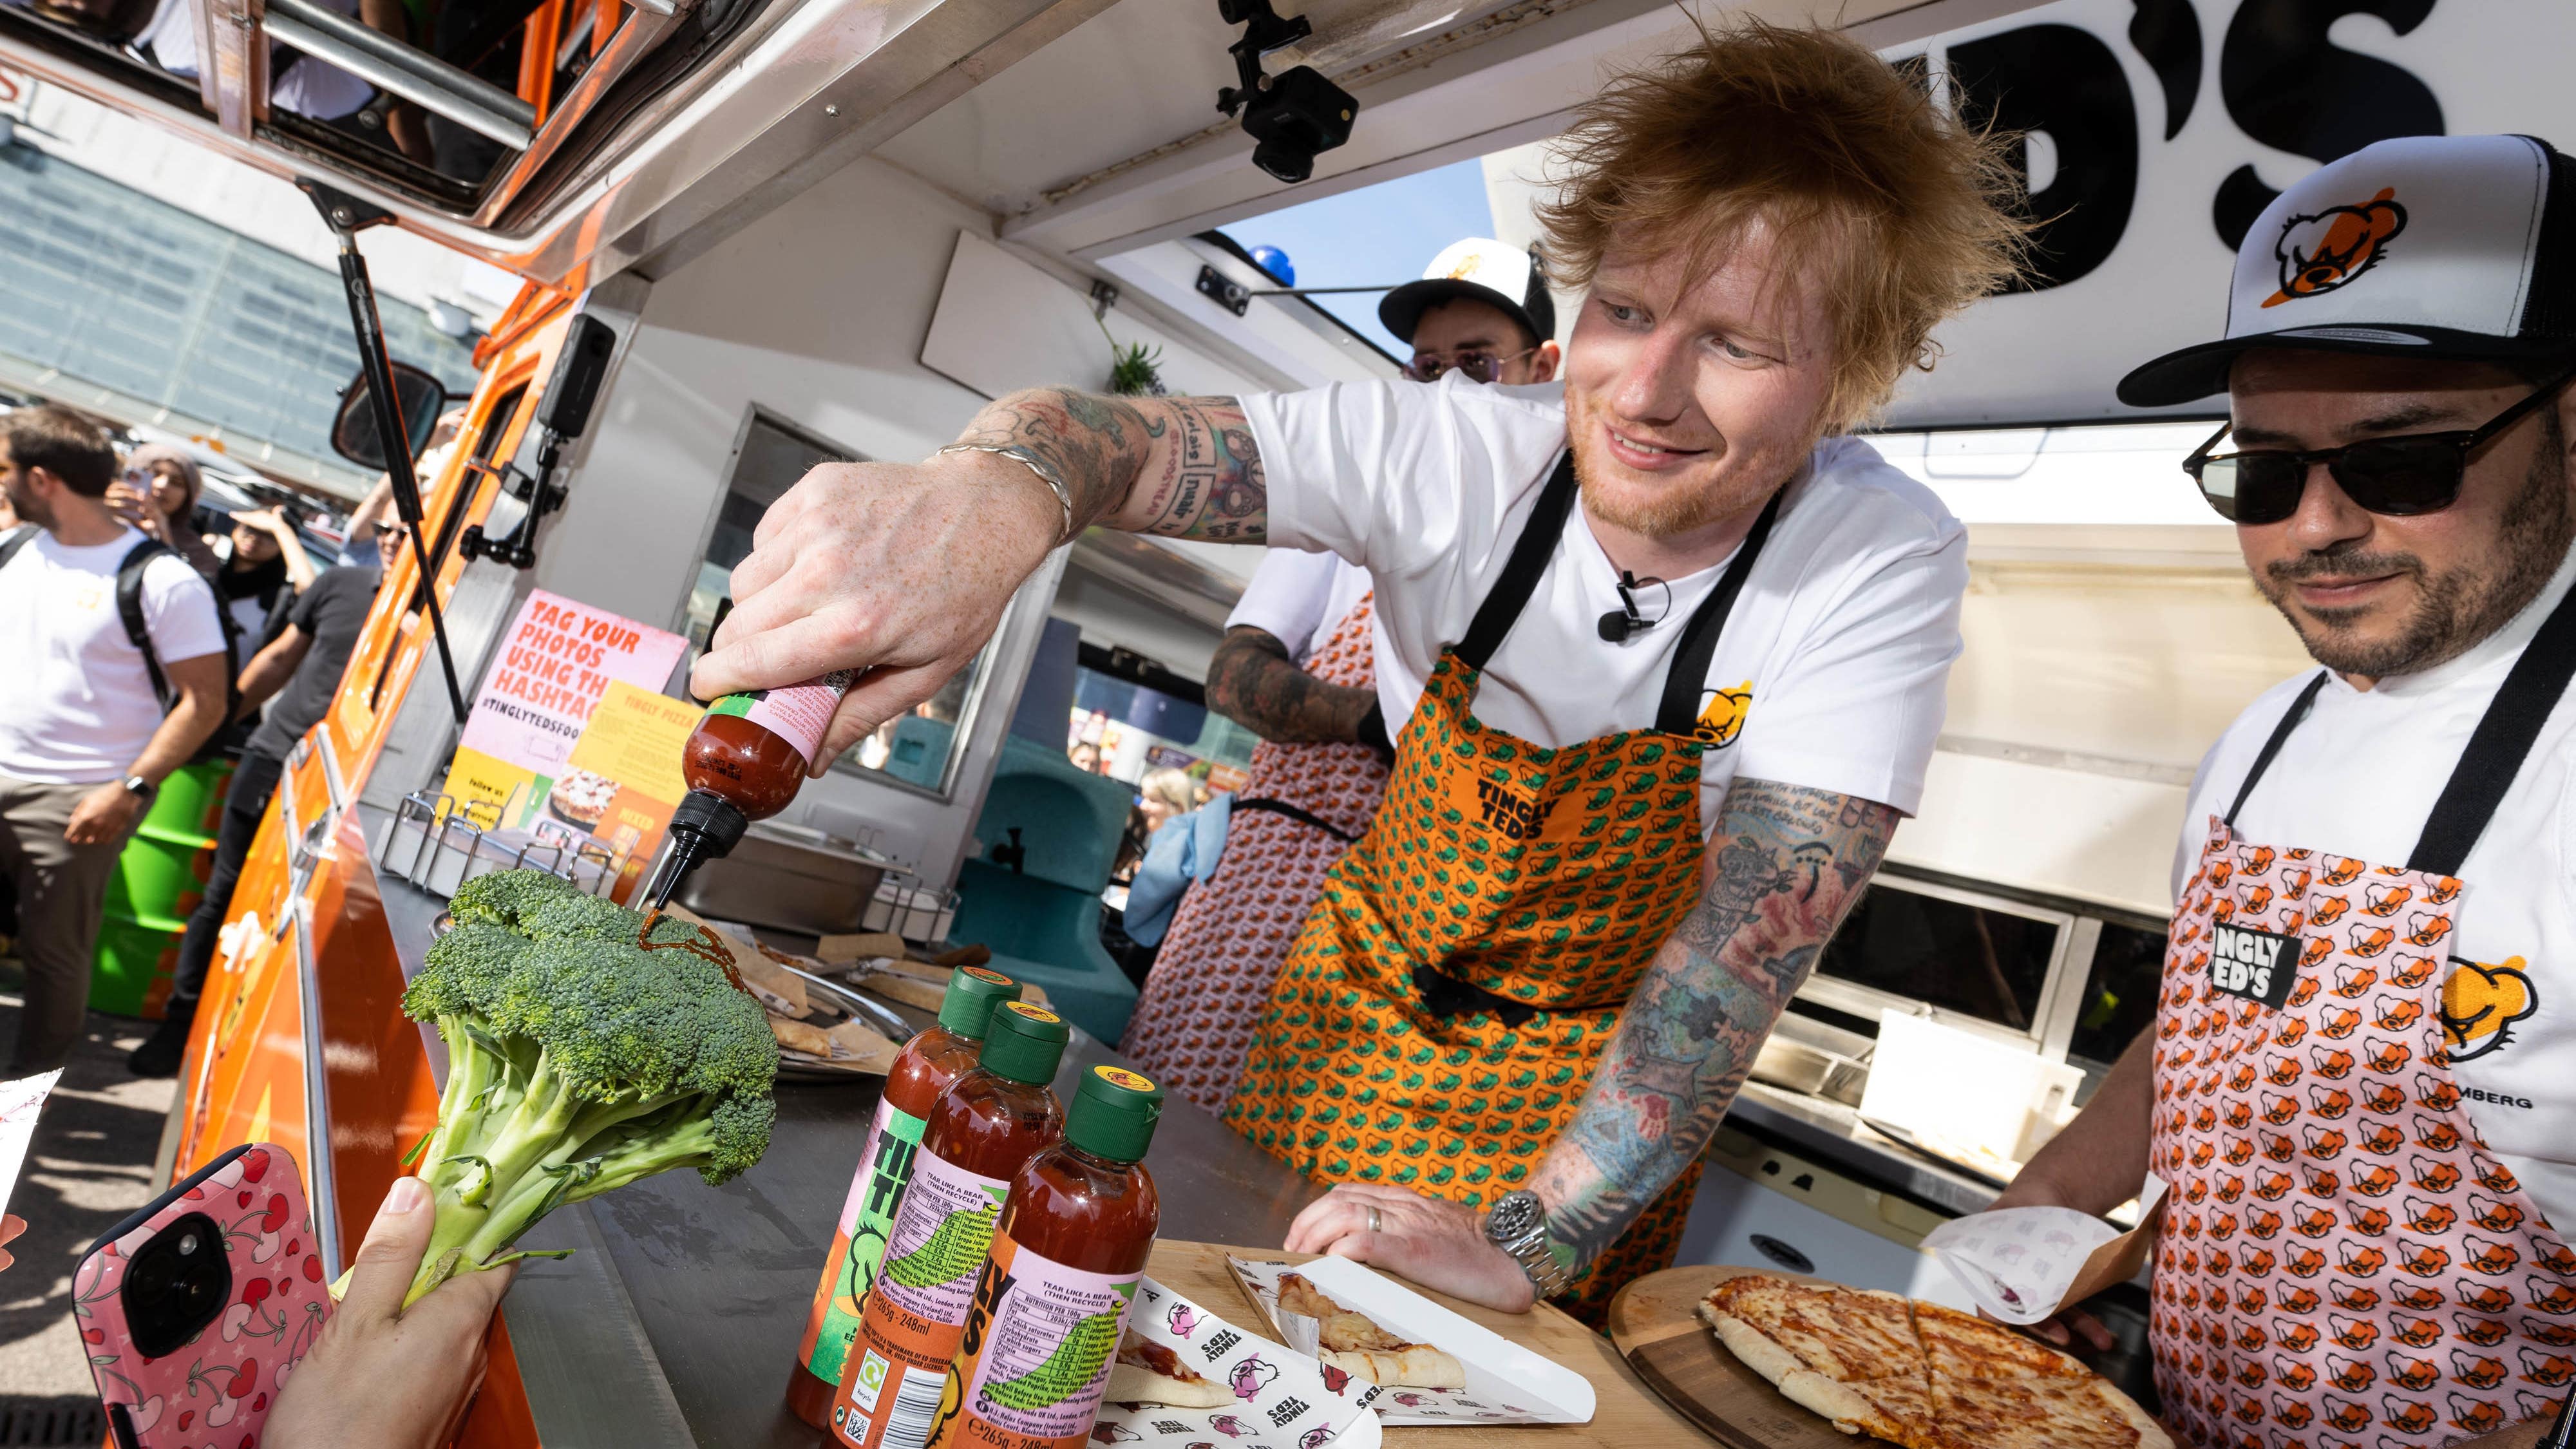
<point x="129" y="607"/>
<point x="16" y="540"/>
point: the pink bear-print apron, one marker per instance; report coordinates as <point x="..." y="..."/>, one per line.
<point x="2343" y="1264"/>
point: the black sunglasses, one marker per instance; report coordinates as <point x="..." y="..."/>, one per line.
<point x="2400" y="477"/>
<point x="1478" y="366"/>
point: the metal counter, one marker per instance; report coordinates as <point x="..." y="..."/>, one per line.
<point x="677" y="1321"/>
<point x="1834" y="1135"/>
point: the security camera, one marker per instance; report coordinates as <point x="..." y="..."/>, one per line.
<point x="1296" y="115"/>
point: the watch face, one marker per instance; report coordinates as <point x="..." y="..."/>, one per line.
<point x="1515" y="1214"/>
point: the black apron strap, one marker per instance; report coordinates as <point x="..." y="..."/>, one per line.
<point x="1530" y="553"/>
<point x="1294" y="812"/>
<point x="1688" y="678"/>
<point x="2501" y="742"/>
<point x="2280" y="736"/>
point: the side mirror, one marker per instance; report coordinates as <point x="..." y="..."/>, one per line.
<point x="353" y="431"/>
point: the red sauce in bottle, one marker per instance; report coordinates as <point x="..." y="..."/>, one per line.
<point x="1067" y="1259"/>
<point x="930" y="1063"/>
<point x="745" y="761"/>
<point x="981" y="1133"/>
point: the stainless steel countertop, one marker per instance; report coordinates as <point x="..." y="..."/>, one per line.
<point x="678" y="1322"/>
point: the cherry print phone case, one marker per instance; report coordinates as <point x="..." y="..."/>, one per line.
<point x="196" y="1308"/>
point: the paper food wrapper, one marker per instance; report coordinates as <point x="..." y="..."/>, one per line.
<point x="2022" y="1264"/>
<point x="20" y="1102"/>
<point x="1282" y="1399"/>
<point x="1506" y="1383"/>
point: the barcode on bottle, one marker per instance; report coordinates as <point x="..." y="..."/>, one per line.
<point x="915" y="1408"/>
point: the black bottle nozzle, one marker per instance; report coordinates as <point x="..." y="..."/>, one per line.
<point x="703" y="828"/>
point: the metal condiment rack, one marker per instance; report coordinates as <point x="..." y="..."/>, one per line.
<point x="453" y="836"/>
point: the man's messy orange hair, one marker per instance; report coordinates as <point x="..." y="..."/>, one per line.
<point x="1908" y="214"/>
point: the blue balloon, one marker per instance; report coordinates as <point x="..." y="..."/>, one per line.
<point x="1276" y="263"/>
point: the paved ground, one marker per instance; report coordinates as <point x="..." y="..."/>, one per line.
<point x="91" y="1165"/>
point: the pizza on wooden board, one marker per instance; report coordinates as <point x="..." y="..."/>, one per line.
<point x="1918" y="1374"/>
<point x="1354" y="1343"/>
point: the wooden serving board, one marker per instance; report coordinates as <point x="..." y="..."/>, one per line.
<point x="1655" y="1323"/>
<point x="1627" y="1415"/>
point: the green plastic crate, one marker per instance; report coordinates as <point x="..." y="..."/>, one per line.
<point x="135" y="964"/>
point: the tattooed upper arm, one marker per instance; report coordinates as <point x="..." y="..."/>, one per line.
<point x="1785" y="865"/>
<point x="1185" y="467"/>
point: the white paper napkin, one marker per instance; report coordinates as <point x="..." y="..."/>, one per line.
<point x="2022" y="1264"/>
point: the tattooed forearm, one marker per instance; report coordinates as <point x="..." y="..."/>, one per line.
<point x="1181" y="466"/>
<point x="1785" y="865"/>
<point x="1253" y="682"/>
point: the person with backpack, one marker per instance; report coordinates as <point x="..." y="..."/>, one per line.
<point x="118" y="672"/>
<point x="300" y="668"/>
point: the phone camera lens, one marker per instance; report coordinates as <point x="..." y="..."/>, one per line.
<point x="187" y="1243"/>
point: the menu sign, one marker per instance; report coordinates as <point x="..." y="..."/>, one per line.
<point x="570" y="737"/>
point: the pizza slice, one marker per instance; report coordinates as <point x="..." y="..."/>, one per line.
<point x="1147" y="1372"/>
<point x="2075" y="1413"/>
<point x="1842" y="1333"/>
<point x="1358" y="1346"/>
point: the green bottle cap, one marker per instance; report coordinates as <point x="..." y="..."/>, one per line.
<point x="973" y="992"/>
<point x="1113" y="1114"/>
<point x="1024" y="1043"/>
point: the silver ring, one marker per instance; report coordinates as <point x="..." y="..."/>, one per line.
<point x="1373" y="1219"/>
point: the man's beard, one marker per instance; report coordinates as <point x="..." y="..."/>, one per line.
<point x="2453" y="610"/>
<point x="1675" y="507"/>
<point x="28" y="507"/>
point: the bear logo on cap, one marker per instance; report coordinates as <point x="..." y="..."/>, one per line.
<point x="2322" y="252"/>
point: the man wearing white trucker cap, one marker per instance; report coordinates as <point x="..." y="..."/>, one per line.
<point x="2359" y="1085"/>
<point x="1482" y="309"/>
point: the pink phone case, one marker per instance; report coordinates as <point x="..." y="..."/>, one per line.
<point x="214" y="1391"/>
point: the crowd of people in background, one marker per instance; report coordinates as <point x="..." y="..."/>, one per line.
<point x="144" y="631"/>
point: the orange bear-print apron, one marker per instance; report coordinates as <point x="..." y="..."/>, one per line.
<point x="1442" y="1011"/>
<point x="2343" y="1262"/>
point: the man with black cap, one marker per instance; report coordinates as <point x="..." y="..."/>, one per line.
<point x="2365" y="1021"/>
<point x="1481" y="309"/>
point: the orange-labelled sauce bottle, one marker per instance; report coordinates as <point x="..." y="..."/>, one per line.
<point x="930" y="1063"/>
<point x="745" y="761"/>
<point x="982" y="1132"/>
<point x="1068" y="1255"/>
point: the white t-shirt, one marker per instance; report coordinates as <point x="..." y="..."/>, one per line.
<point x="1843" y="634"/>
<point x="309" y="88"/>
<point x="1299" y="599"/>
<point x="79" y="707"/>
<point x="2358" y="778"/>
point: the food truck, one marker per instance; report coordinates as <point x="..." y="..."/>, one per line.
<point x="759" y="234"/>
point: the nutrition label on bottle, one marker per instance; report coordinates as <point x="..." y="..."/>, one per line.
<point x="940" y="1236"/>
<point x="1042" y="1358"/>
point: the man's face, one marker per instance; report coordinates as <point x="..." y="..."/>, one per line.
<point x="1464" y="327"/>
<point x="252" y="544"/>
<point x="21" y="491"/>
<point x="1691" y="400"/>
<point x="391" y="540"/>
<point x="2373" y="595"/>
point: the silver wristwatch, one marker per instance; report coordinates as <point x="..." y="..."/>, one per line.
<point x="1518" y="1226"/>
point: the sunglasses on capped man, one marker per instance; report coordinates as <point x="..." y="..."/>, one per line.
<point x="2400" y="477"/>
<point x="1478" y="366"/>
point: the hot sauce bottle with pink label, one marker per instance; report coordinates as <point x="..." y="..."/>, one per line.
<point x="982" y="1132"/>
<point x="744" y="762"/>
<point x="1068" y="1255"/>
<point x="930" y="1063"/>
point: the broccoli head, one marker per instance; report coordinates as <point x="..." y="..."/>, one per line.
<point x="584" y="1052"/>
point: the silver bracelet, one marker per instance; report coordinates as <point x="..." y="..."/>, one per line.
<point x="1035" y="464"/>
